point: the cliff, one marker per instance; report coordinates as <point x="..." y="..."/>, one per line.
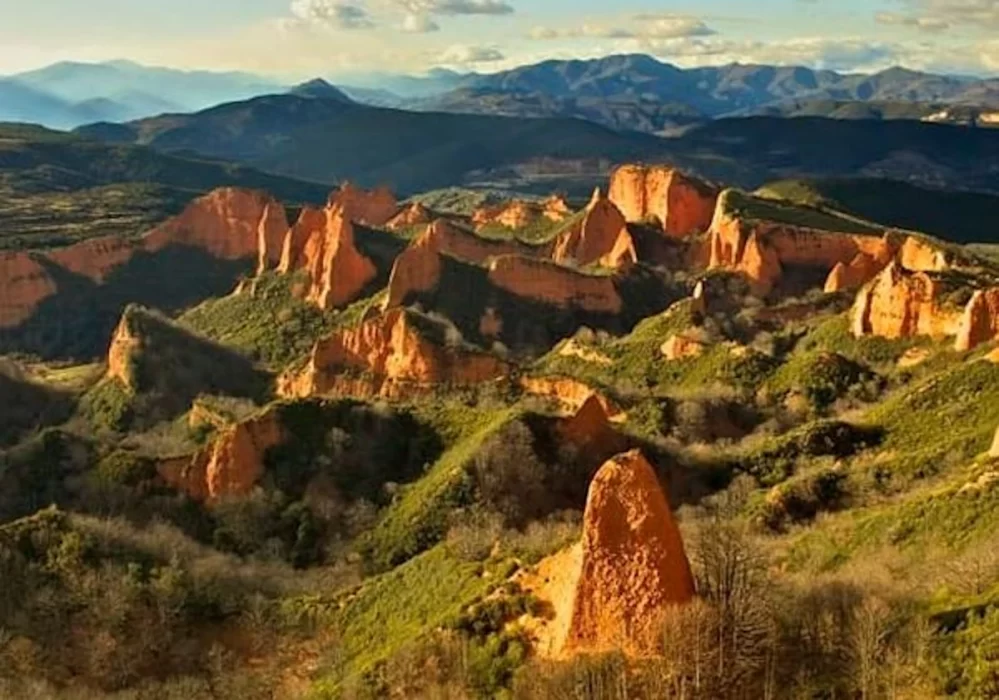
<point x="980" y="321"/>
<point x="394" y="350"/>
<point x="232" y="465"/>
<point x="552" y="284"/>
<point x="125" y="344"/>
<point x="761" y="249"/>
<point x="414" y="214"/>
<point x="228" y="224"/>
<point x="601" y="237"/>
<point x="901" y="303"/>
<point x="570" y="394"/>
<point x="682" y="205"/>
<point x="519" y="214"/>
<point x="322" y="243"/>
<point x="372" y="207"/>
<point x="633" y="562"/>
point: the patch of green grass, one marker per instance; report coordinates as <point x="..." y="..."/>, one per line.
<point x="822" y="377"/>
<point x="398" y="607"/>
<point x="946" y="418"/>
<point x="270" y="324"/>
<point x="833" y="335"/>
<point x="751" y="208"/>
<point x="418" y="518"/>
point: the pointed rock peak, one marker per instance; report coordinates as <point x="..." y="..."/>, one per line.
<point x="320" y="89"/>
<point x="634" y="565"/>
<point x="598" y="196"/>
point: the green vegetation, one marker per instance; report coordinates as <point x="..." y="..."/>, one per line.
<point x="56" y="189"/>
<point x="267" y="323"/>
<point x="951" y="215"/>
<point x="796" y="213"/>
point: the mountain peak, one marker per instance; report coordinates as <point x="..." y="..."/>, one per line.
<point x="321" y="90"/>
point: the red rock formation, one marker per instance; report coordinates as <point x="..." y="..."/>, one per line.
<point x="681" y="346"/>
<point x="682" y="205"/>
<point x="633" y="562"/>
<point x="920" y="255"/>
<point x="124" y="345"/>
<point x="25" y="284"/>
<point x="491" y="323"/>
<point x="518" y="214"/>
<point x="418" y="269"/>
<point x="590" y="428"/>
<point x="854" y="274"/>
<point x="570" y="394"/>
<point x="228" y="224"/>
<point x="322" y="243"/>
<point x="760" y="250"/>
<point x="550" y="283"/>
<point x="374" y="208"/>
<point x="339" y="272"/>
<point x="232" y="465"/>
<point x="413" y="215"/>
<point x="899" y="303"/>
<point x="601" y="237"/>
<point x="391" y="348"/>
<point x="980" y="320"/>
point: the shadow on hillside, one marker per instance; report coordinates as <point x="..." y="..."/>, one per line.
<point x="78" y="320"/>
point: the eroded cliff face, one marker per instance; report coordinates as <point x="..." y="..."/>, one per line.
<point x="322" y="243"/>
<point x="980" y="321"/>
<point x="372" y="207"/>
<point x="590" y="429"/>
<point x="232" y="465"/>
<point x="552" y="284"/>
<point x="570" y="394"/>
<point x="601" y="237"/>
<point x="124" y="345"/>
<point x="518" y="213"/>
<point x="228" y="224"/>
<point x="25" y="285"/>
<point x="681" y="204"/>
<point x="391" y="348"/>
<point x="682" y="346"/>
<point x="761" y="250"/>
<point x="633" y="566"/>
<point x="921" y="255"/>
<point x="900" y="303"/>
<point x="414" y="214"/>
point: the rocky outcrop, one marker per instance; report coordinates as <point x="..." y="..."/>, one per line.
<point x="519" y="214"/>
<point x="590" y="428"/>
<point x="391" y="348"/>
<point x="853" y="275"/>
<point x="682" y="346"/>
<point x="920" y="255"/>
<point x="900" y="303"/>
<point x="372" y="207"/>
<point x="322" y="243"/>
<point x="682" y="205"/>
<point x="570" y="394"/>
<point x="549" y="283"/>
<point x="125" y="343"/>
<point x="232" y="465"/>
<point x="761" y="250"/>
<point x="633" y="564"/>
<point x="980" y="320"/>
<point x="601" y="237"/>
<point x="228" y="224"/>
<point x="415" y="214"/>
<point x="416" y="270"/>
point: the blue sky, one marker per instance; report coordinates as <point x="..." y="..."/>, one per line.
<point x="304" y="38"/>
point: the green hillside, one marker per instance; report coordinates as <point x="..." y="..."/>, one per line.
<point x="57" y="188"/>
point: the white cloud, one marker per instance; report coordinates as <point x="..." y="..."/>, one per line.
<point x="465" y="55"/>
<point x="339" y="14"/>
<point x="419" y="24"/>
<point x="981" y="14"/>
<point x="926" y="24"/>
<point x="659" y="26"/>
<point x="455" y="7"/>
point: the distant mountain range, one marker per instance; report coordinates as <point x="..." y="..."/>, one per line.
<point x="66" y="95"/>
<point x="627" y="92"/>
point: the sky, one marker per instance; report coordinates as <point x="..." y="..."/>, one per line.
<point x="298" y="39"/>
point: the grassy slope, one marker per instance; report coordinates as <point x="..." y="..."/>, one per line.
<point x="956" y="216"/>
